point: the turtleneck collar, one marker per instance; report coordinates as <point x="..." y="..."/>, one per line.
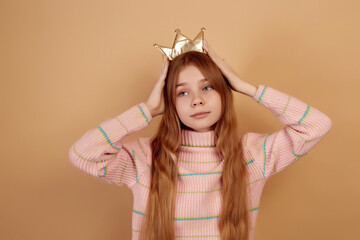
<point x="192" y="138"/>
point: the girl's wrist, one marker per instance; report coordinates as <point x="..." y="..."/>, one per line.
<point x="251" y="91"/>
<point x="247" y="89"/>
<point x="150" y="109"/>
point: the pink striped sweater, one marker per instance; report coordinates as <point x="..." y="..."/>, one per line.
<point x="101" y="153"/>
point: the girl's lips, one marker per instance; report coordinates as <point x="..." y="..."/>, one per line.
<point x="199" y="115"/>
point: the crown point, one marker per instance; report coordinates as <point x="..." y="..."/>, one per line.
<point x="183" y="44"/>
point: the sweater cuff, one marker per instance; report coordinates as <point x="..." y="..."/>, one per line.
<point x="146" y="112"/>
<point x="136" y="117"/>
<point x="282" y="105"/>
<point x="132" y="120"/>
<point x="259" y="93"/>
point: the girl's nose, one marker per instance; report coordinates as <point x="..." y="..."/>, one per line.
<point x="198" y="101"/>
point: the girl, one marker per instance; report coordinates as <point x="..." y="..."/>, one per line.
<point x="196" y="177"/>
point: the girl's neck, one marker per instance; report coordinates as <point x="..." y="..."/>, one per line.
<point x="197" y="139"/>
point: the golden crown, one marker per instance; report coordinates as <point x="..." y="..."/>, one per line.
<point x="183" y="44"/>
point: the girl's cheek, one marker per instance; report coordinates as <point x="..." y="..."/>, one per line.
<point x="181" y="98"/>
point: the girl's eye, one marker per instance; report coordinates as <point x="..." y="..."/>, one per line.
<point x="180" y="94"/>
<point x="208" y="86"/>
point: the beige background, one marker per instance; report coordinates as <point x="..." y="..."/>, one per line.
<point x="66" y="66"/>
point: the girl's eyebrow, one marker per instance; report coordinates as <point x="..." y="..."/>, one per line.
<point x="182" y="84"/>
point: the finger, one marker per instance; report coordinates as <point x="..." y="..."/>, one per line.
<point x="166" y="60"/>
<point x="206" y="47"/>
<point x="165" y="64"/>
<point x="207" y="44"/>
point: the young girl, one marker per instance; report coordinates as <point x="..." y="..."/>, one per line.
<point x="196" y="178"/>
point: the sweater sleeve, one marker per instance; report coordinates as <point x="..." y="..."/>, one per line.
<point x="102" y="153"/>
<point x="305" y="126"/>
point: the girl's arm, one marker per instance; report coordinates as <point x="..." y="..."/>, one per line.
<point x="100" y="151"/>
<point x="305" y="127"/>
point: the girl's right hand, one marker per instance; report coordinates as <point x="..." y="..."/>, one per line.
<point x="155" y="102"/>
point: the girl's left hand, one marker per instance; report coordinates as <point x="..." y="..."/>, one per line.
<point x="237" y="84"/>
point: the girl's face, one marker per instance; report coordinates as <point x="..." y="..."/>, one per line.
<point x="195" y="94"/>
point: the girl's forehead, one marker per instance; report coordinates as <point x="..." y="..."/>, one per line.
<point x="185" y="83"/>
<point x="190" y="73"/>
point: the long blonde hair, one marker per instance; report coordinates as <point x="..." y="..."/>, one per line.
<point x="159" y="218"/>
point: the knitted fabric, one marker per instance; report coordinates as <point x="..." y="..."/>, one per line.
<point x="101" y="153"/>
